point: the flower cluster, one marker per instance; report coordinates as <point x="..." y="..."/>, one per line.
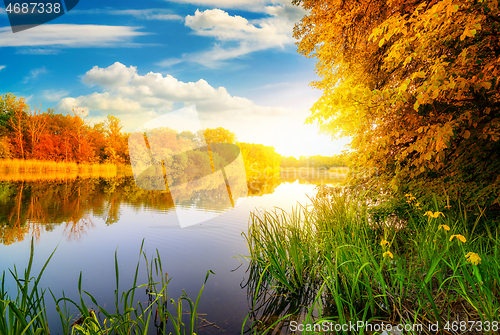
<point x="411" y="198"/>
<point x="471" y="257"/>
<point x="385" y="245"/>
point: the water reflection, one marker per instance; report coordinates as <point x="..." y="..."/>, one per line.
<point x="274" y="307"/>
<point x="28" y="208"/>
<point x="36" y="206"/>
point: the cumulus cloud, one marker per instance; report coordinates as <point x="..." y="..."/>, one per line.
<point x="133" y="97"/>
<point x="69" y="35"/>
<point x="112" y="76"/>
<point x="236" y="36"/>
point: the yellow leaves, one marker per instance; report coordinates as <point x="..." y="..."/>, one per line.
<point x="486" y="85"/>
<point x="381" y="42"/>
<point x="466" y="134"/>
<point x="452" y="9"/>
<point x="407" y="60"/>
<point x="419" y="74"/>
<point x="470" y="31"/>
<point x="473" y="258"/>
<point x="459" y="237"/>
<point x="375" y="33"/>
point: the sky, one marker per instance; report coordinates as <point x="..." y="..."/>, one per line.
<point x="236" y="61"/>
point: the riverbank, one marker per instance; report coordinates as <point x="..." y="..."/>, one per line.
<point x="335" y="262"/>
<point x="30" y="170"/>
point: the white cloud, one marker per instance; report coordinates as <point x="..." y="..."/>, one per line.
<point x="38" y="51"/>
<point x="143" y="14"/>
<point x="2" y="67"/>
<point x="69" y="35"/>
<point x="148" y="14"/>
<point x="54" y="95"/>
<point x="34" y="74"/>
<point x="251" y="5"/>
<point x="236" y="36"/>
<point x="136" y="99"/>
<point x="131" y="96"/>
<point x="112" y="76"/>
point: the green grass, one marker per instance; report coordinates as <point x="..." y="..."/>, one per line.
<point x="27" y="314"/>
<point x="332" y="250"/>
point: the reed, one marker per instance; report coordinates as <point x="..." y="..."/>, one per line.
<point x="26" y="314"/>
<point x="399" y="272"/>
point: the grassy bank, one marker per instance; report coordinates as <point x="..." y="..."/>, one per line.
<point x="25" y="312"/>
<point x="332" y="261"/>
<point x="19" y="169"/>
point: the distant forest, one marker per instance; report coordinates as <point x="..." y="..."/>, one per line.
<point x="27" y="133"/>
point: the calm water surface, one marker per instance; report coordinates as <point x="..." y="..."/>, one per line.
<point x="88" y="219"/>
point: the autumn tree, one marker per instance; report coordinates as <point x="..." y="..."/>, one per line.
<point x="415" y="84"/>
<point x="85" y="151"/>
<point x="7" y="105"/>
<point x="261" y="161"/>
<point x="116" y="150"/>
<point x="219" y="135"/>
<point x="17" y="124"/>
<point x="35" y="124"/>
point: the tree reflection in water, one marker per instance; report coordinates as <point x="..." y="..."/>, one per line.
<point x="29" y="206"/>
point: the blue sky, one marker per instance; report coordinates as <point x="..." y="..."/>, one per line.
<point x="235" y="60"/>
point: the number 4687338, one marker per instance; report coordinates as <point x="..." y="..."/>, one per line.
<point x="33" y="8"/>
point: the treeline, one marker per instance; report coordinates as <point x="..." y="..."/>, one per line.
<point x="27" y="133"/>
<point x="314" y="161"/>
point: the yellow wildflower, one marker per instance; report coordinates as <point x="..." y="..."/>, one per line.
<point x="417" y="204"/>
<point x="388" y="253"/>
<point x="445" y="227"/>
<point x="459" y="237"/>
<point x="473" y="258"/>
<point x="434" y="215"/>
<point x="447" y="206"/>
<point x="384" y="242"/>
